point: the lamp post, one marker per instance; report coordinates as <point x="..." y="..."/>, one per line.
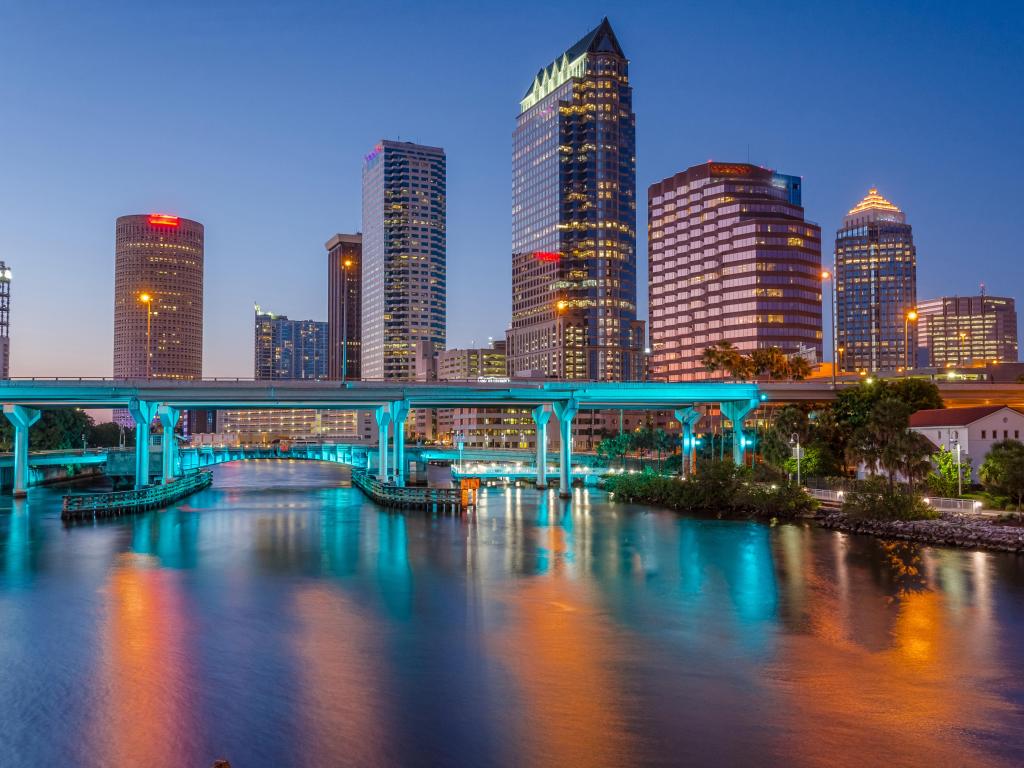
<point x="344" y="318"/>
<point x="147" y="299"/>
<point x="794" y="439"/>
<point x="826" y="276"/>
<point x="959" y="474"/>
<point x="910" y="317"/>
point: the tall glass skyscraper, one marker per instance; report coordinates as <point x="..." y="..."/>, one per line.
<point x="404" y="290"/>
<point x="574" y="218"/>
<point x="966" y="330"/>
<point x="344" y="306"/>
<point x="876" y="287"/>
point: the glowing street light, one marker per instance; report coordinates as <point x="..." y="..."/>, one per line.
<point x="826" y="276"/>
<point x="910" y="317"/>
<point x="147" y="299"/>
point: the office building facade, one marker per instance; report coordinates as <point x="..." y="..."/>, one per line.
<point x="344" y="306"/>
<point x="5" y="321"/>
<point x="574" y="219"/>
<point x="404" y="289"/>
<point x="289" y="349"/>
<point x="158" y="281"/>
<point x="731" y="258"/>
<point x="876" y="288"/>
<point x="488" y="362"/>
<point x="955" y="331"/>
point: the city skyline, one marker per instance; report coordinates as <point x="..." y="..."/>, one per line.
<point x="837" y="164"/>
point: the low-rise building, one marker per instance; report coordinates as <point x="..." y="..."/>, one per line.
<point x="975" y="429"/>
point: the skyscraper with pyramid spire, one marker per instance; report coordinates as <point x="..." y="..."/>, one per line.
<point x="876" y="288"/>
<point x="574" y="218"/>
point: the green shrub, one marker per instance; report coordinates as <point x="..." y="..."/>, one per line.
<point x="874" y="499"/>
<point x="719" y="488"/>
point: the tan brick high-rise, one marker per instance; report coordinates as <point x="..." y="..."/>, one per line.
<point x="160" y="256"/>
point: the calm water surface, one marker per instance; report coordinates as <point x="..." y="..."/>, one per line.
<point x="277" y="620"/>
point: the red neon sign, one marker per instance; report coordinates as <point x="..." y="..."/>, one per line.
<point x="546" y="256"/>
<point x="163" y="220"/>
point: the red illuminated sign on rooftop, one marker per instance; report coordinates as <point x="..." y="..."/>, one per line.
<point x="546" y="256"/>
<point x="163" y="220"/>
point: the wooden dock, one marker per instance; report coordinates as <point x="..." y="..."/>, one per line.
<point x="89" y="506"/>
<point x="415" y="496"/>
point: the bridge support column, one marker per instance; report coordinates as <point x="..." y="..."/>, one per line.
<point x="21" y="419"/>
<point x="736" y="411"/>
<point x="540" y="420"/>
<point x="383" y="415"/>
<point x="399" y="413"/>
<point x="143" y="412"/>
<point x="565" y="412"/>
<point x="169" y="420"/>
<point x="688" y="418"/>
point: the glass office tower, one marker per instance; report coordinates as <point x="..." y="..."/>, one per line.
<point x="574" y="219"/>
<point x="876" y="288"/>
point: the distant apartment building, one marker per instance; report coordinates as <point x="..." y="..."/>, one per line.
<point x="574" y="219"/>
<point x="289" y="349"/>
<point x="292" y="350"/>
<point x="955" y="331"/>
<point x="876" y="288"/>
<point x="5" y="321"/>
<point x="731" y="258"/>
<point x="404" y="291"/>
<point x="344" y="306"/>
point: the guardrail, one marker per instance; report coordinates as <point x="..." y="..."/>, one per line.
<point x="88" y="506"/>
<point x="413" y="497"/>
<point x="961" y="506"/>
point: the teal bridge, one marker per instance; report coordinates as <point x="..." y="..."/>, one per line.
<point x="149" y="400"/>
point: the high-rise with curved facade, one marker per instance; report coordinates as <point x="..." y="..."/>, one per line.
<point x="574" y="218"/>
<point x="158" y="282"/>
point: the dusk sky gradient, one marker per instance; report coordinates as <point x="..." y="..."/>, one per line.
<point x="253" y="119"/>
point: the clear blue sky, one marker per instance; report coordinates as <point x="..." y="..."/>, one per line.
<point x="253" y="117"/>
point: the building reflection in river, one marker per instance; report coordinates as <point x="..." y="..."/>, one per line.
<point x="264" y="620"/>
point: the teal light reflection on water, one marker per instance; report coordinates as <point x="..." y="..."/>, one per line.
<point x="277" y="616"/>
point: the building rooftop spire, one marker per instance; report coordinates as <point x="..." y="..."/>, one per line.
<point x="601" y="39"/>
<point x="874" y="207"/>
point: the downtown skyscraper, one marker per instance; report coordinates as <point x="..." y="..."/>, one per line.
<point x="158" y="297"/>
<point x="404" y="279"/>
<point x="574" y="218"/>
<point x="286" y="349"/>
<point x="876" y="288"/>
<point x="731" y="258"/>
<point x="344" y="306"/>
<point x="966" y="331"/>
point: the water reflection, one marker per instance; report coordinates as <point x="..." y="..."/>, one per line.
<point x="277" y="619"/>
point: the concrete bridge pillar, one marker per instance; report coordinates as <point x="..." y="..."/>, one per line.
<point x="688" y="418"/>
<point x="399" y="413"/>
<point x="565" y="412"/>
<point x="143" y="412"/>
<point x="169" y="420"/>
<point x="21" y="419"/>
<point x="540" y="419"/>
<point x="383" y="415"/>
<point x="736" y="411"/>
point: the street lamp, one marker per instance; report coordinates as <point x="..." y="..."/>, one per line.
<point x="344" y="318"/>
<point x="910" y="317"/>
<point x="794" y="440"/>
<point x="825" y="277"/>
<point x="146" y="299"/>
<point x="959" y="475"/>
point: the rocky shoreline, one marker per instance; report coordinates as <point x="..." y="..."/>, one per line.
<point x="950" y="530"/>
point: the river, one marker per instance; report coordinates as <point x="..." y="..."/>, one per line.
<point x="278" y="620"/>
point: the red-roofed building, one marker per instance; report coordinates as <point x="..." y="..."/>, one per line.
<point x="975" y="429"/>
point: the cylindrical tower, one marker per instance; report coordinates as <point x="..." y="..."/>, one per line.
<point x="158" y="297"/>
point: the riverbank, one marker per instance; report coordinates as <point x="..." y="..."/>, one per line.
<point x="948" y="530"/>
